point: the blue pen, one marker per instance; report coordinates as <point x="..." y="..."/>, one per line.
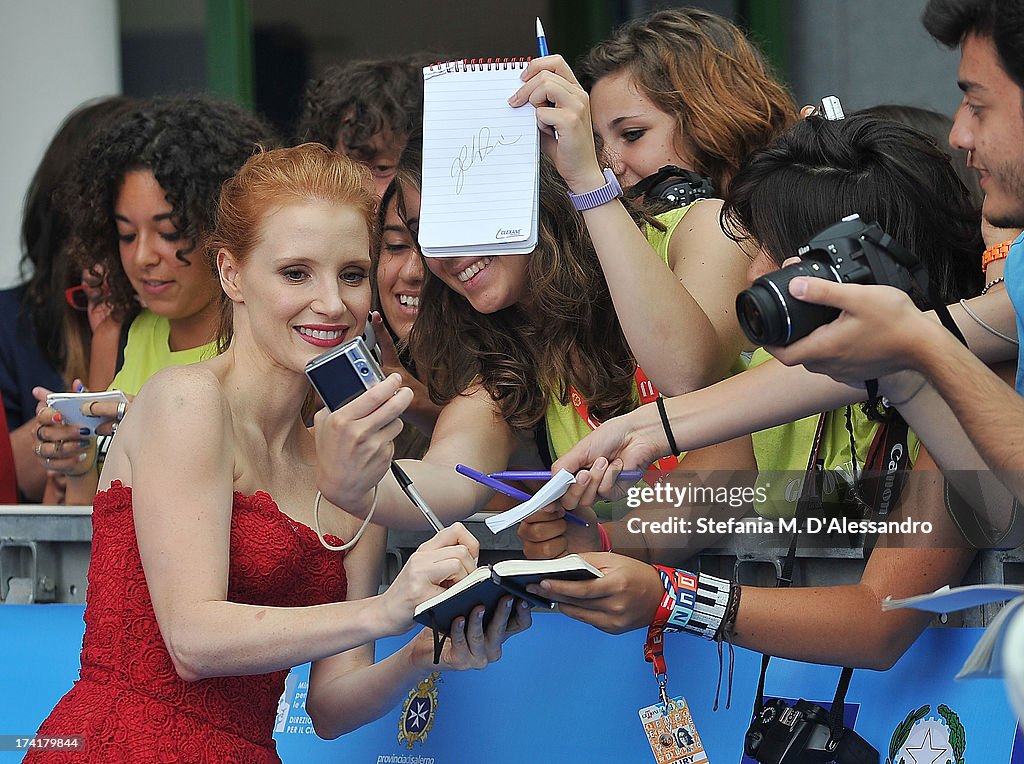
<point x="542" y="41"/>
<point x="508" y="490"/>
<point x="630" y="475"/>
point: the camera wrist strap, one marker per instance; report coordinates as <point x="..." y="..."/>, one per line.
<point x="810" y="496"/>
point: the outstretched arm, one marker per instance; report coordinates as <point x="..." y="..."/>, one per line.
<point x="787" y="393"/>
<point x="711" y="415"/>
<point x="640" y="533"/>
<point x="990" y="412"/>
<point x="841" y="625"/>
<point x="692" y="312"/>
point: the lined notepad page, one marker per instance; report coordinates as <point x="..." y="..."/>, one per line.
<point x="480" y="162"/>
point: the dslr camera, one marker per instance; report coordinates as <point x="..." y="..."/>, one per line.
<point x="800" y="734"/>
<point x="849" y="252"/>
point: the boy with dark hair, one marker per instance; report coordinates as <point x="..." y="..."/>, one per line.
<point x="365" y="110"/>
<point x="967" y="398"/>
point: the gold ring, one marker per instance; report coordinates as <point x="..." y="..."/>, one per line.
<point x="58" y="446"/>
<point x="89" y="408"/>
<point x="39" y="433"/>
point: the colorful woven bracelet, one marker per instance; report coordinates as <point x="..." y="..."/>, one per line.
<point x="699" y="603"/>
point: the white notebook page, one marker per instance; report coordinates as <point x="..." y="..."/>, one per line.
<point x="480" y="157"/>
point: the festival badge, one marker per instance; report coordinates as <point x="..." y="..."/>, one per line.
<point x="672" y="734"/>
<point x="418" y="712"/>
<point x="928" y="740"/>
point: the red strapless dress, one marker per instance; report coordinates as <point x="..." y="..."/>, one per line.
<point x="129" y="703"/>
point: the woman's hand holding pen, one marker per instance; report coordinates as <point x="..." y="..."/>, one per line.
<point x="442" y="560"/>
<point x="563" y="109"/>
<point x="634" y="440"/>
<point x="354" y="444"/>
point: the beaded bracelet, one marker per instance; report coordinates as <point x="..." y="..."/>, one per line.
<point x="992" y="283"/>
<point x="995" y="252"/>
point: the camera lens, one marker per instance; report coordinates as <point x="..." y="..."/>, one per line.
<point x="760" y="316"/>
<point x="769" y="315"/>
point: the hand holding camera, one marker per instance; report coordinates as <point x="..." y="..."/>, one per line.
<point x="849" y="252"/>
<point x="356" y="428"/>
<point x="852" y="267"/>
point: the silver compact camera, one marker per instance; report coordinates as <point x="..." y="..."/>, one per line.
<point x="343" y="373"/>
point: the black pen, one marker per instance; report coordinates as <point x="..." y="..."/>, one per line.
<point x="414" y="496"/>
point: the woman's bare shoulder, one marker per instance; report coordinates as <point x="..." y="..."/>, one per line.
<point x="179" y="396"/>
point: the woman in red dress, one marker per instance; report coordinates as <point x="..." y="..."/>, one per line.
<point x="207" y="581"/>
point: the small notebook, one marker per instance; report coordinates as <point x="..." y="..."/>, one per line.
<point x="481" y="161"/>
<point x="488" y="584"/>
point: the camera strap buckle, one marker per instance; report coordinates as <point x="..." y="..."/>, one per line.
<point x="663" y="691"/>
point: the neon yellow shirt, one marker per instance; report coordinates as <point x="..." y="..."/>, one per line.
<point x="782" y="453"/>
<point x="565" y="427"/>
<point x="149" y="350"/>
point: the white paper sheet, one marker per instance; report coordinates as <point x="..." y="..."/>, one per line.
<point x="551" y="491"/>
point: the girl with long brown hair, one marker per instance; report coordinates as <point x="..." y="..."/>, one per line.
<point x="681" y="88"/>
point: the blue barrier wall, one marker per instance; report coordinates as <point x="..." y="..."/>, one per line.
<point x="564" y="691"/>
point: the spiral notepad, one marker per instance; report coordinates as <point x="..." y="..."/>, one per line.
<point x="481" y="161"/>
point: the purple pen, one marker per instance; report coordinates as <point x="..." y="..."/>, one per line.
<point x="630" y="475"/>
<point x="491" y="482"/>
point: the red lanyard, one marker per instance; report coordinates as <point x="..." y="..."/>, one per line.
<point x="654" y="647"/>
<point x="648" y="394"/>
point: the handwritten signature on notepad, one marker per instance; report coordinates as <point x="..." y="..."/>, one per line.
<point x="476" y="151"/>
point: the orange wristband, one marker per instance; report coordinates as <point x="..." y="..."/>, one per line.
<point x="995" y="252"/>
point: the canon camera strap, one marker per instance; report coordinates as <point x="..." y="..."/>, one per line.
<point x="810" y="498"/>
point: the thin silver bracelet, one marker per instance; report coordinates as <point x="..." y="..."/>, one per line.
<point x="909" y="398"/>
<point x="990" y="329"/>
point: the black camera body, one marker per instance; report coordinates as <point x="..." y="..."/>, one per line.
<point x="799" y="734"/>
<point x="673" y="187"/>
<point x="849" y="252"/>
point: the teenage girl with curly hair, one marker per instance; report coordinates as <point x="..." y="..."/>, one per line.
<point x="143" y="199"/>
